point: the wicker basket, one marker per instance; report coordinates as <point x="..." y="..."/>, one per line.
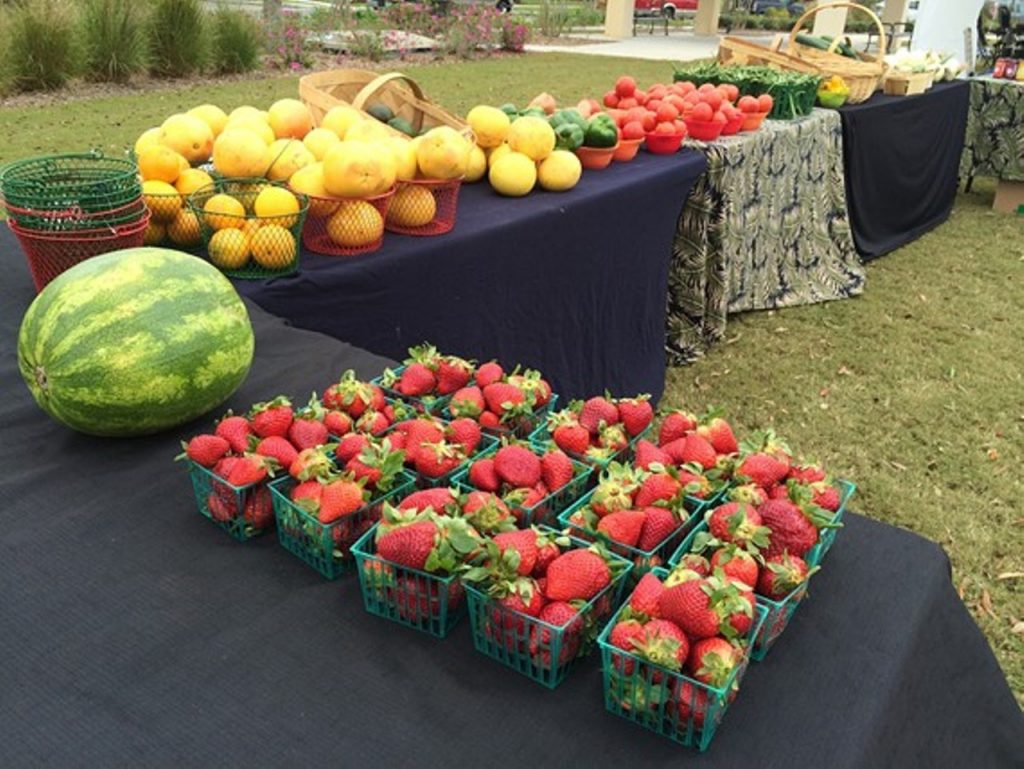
<point x="740" y="52"/>
<point x="863" y="75"/>
<point x="402" y="95"/>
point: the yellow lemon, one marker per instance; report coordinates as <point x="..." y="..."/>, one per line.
<point x="289" y="119"/>
<point x="495" y="153"/>
<point x="532" y="136"/>
<point x="310" y="181"/>
<point x="341" y="118"/>
<point x="259" y="127"/>
<point x="513" y="174"/>
<point x="149" y="138"/>
<point x="356" y="223"/>
<point x="273" y="247"/>
<point x="358" y="170"/>
<point x="184" y="229"/>
<point x="559" y="171"/>
<point x="223" y="212"/>
<point x="477" y="168"/>
<point x="286" y="157"/>
<point x="160" y="163"/>
<point x="192" y="179"/>
<point x="154" y="234"/>
<point x="319" y="140"/>
<point x="278" y="204"/>
<point x="162" y="199"/>
<point x="189" y="136"/>
<point x="412" y="206"/>
<point x="229" y="249"/>
<point x="443" y="153"/>
<point x="490" y="125"/>
<point x="212" y="115"/>
<point x="238" y="152"/>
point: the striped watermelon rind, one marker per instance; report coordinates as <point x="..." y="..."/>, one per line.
<point x="134" y="342"/>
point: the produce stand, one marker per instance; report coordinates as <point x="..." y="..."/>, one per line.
<point x="573" y="285"/>
<point x="901" y="156"/>
<point x="994" y="145"/>
<point x="138" y="635"/>
<point x="765" y="227"/>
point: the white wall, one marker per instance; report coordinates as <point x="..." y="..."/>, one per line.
<point x="940" y="25"/>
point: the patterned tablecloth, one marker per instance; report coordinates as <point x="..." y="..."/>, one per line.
<point x="765" y="227"/>
<point x="994" y="145"/>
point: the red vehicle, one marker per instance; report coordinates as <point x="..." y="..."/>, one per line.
<point x="666" y="8"/>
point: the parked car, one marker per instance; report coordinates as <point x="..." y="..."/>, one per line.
<point x="667" y="8"/>
<point x="762" y="6"/>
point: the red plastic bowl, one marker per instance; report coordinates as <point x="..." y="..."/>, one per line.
<point x="752" y="120"/>
<point x="664" y="144"/>
<point x="596" y="158"/>
<point x="705" y="131"/>
<point x="627" y="149"/>
<point x="733" y="126"/>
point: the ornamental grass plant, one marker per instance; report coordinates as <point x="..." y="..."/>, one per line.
<point x="114" y="42"/>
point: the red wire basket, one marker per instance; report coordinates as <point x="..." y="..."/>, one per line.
<point x="424" y="207"/>
<point x="51" y="253"/>
<point x="346" y="227"/>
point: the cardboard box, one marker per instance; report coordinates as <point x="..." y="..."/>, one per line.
<point x="1009" y="196"/>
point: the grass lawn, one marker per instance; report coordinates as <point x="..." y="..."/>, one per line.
<point x="914" y="389"/>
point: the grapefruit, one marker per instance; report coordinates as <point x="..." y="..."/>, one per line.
<point x="339" y="119"/>
<point x="513" y="174"/>
<point x="259" y="127"/>
<point x="229" y="249"/>
<point x="189" y="136"/>
<point x="278" y="204"/>
<point x="368" y="131"/>
<point x="246" y="111"/>
<point x="477" y="168"/>
<point x="289" y="118"/>
<point x="160" y="163"/>
<point x="443" y="153"/>
<point x="497" y="152"/>
<point x="222" y="212"/>
<point x="184" y="229"/>
<point x="162" y="199"/>
<point x="286" y="157"/>
<point x="319" y="140"/>
<point x="559" y="171"/>
<point x="149" y="138"/>
<point x="358" y="170"/>
<point x="154" y="234"/>
<point x="212" y="115"/>
<point x="412" y="206"/>
<point x="356" y="223"/>
<point x="238" y="152"/>
<point x="310" y="181"/>
<point x="272" y="247"/>
<point x="191" y="180"/>
<point x="490" y="125"/>
<point x="532" y="136"/>
<point x="405" y="158"/>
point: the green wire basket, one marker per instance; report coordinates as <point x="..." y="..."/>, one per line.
<point x="87" y="183"/>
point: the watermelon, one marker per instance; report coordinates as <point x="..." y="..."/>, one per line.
<point x="134" y="342"/>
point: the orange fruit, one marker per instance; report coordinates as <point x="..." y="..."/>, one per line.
<point x="192" y="179"/>
<point x="184" y="229"/>
<point x="289" y="118"/>
<point x="159" y="163"/>
<point x="212" y="115"/>
<point x="412" y="206"/>
<point x="278" y="205"/>
<point x="189" y="136"/>
<point x="222" y="212"/>
<point x="242" y="153"/>
<point x="162" y="199"/>
<point x="273" y="247"/>
<point x="356" y="223"/>
<point x="229" y="249"/>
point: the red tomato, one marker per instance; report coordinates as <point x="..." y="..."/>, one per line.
<point x="702" y="112"/>
<point x="686" y="87"/>
<point x="747" y="104"/>
<point x="665" y="128"/>
<point x="712" y="99"/>
<point x="653" y="104"/>
<point x="656" y="92"/>
<point x="650" y="120"/>
<point x="732" y="93"/>
<point x="628" y="103"/>
<point x="676" y="101"/>
<point x="765" y="102"/>
<point x="691" y="98"/>
<point x="719" y="117"/>
<point x="625" y="86"/>
<point x="618" y="115"/>
<point x="667" y="112"/>
<point x="611" y="99"/>
<point x="637" y="113"/>
<point x="641" y="97"/>
<point x="682" y="128"/>
<point x="634" y="129"/>
<point x="706" y="88"/>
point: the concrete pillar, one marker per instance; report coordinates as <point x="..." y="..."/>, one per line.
<point x="618" y="19"/>
<point x="830" y="22"/>
<point x="706" y="21"/>
<point x="894" y="12"/>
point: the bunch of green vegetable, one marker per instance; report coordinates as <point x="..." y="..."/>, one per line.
<point x="794" y="93"/>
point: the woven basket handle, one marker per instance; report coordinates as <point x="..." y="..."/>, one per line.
<point x="378" y="83"/>
<point x="811" y="12"/>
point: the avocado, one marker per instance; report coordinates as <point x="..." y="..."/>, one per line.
<point x="380" y="111"/>
<point x="403" y="125"/>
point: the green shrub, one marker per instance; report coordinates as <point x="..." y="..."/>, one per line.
<point x="41" y="48"/>
<point x="114" y="40"/>
<point x="237" y="41"/>
<point x="178" y="44"/>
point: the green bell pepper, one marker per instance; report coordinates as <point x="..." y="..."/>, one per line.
<point x="511" y="110"/>
<point x="601" y="131"/>
<point x="568" y="136"/>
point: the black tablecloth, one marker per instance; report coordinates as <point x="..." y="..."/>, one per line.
<point x="573" y="284"/>
<point x="136" y="634"/>
<point x="902" y="156"/>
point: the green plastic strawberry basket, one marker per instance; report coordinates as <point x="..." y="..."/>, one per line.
<point x="643" y="560"/>
<point x="327" y="547"/>
<point x="542" y="652"/>
<point x="243" y="512"/>
<point x="488" y="443"/>
<point x="523" y="427"/>
<point x="542" y="437"/>
<point x="545" y="512"/>
<point x="827" y="537"/>
<point x="425" y="404"/>
<point x="663" y="701"/>
<point x="777" y="617"/>
<point x="426" y="602"/>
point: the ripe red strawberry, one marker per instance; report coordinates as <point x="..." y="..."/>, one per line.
<point x="524" y="541"/>
<point x="419" y="432"/>
<point x="778" y="492"/>
<point x="206" y="449"/>
<point x="612" y="437"/>
<point x="338" y="422"/>
<point x="657" y="487"/>
<point x="712" y="660"/>
<point x="696" y="563"/>
<point x="487" y="512"/>
<point x="659" y="524"/>
<point x="452" y="374"/>
<point x="373" y="422"/>
<point x="562" y="615"/>
<point x="279" y="448"/>
<point x="483" y="476"/>
<point x="692" y="704"/>
<point x="577" y="574"/>
<point x="438" y="459"/>
<point x="465" y="431"/>
<point x="750" y="493"/>
<point x="762" y="469"/>
<point x="739" y="523"/>
<point x="694" y="484"/>
<point x="626" y="635"/>
<point x="781" y="575"/>
<point x="489" y="419"/>
<point x="826" y="496"/>
<point x="697" y="449"/>
<point x="689" y="606"/>
<point x="807" y="473"/>
<point x="502" y="396"/>
<point x="517" y="465"/>
<point x="340" y="498"/>
<point x="408" y="546"/>
<point x="236" y="431"/>
<point x="623" y="526"/>
<point x="375" y="465"/>
<point x="676" y="425"/>
<point x="438" y="499"/>
<point x="272" y="418"/>
<point x="664" y="643"/>
<point x="307" y="495"/>
<point x="310" y="464"/>
<point x="350" y="446"/>
<point x="674" y="450"/>
<point x="305" y="433"/>
<point x="738" y="611"/>
<point x="250" y="469"/>
<point x="397" y="440"/>
<point x="488" y="373"/>
<point x="636" y="414"/>
<point x="791" y="530"/>
<point x="719" y="434"/>
<point x="736" y="564"/>
<point x="258" y="507"/>
<point x="572" y="438"/>
<point x="648" y="454"/>
<point x="556" y="470"/>
<point x="467" y="402"/>
<point x="598" y="410"/>
<point x="514" y="603"/>
<point x="416" y="380"/>
<point x="646" y="594"/>
<point x="534" y="494"/>
<point x="546" y="553"/>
